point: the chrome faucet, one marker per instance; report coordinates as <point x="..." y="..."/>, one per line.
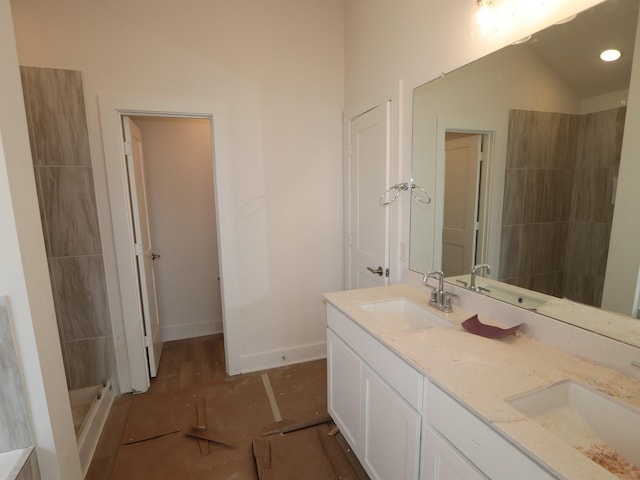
<point x="439" y="298"/>
<point x="474" y="271"/>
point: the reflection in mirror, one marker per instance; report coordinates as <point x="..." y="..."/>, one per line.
<point x="521" y="150"/>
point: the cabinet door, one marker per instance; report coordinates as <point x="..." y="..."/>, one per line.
<point x="391" y="431"/>
<point x="440" y="461"/>
<point x="343" y="372"/>
<point x="485" y="448"/>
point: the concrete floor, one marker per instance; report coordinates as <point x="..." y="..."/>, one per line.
<point x="145" y="435"/>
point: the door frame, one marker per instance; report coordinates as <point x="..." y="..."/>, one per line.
<point x="128" y="332"/>
<point x="489" y="235"/>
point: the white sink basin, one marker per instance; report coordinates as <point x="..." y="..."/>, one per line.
<point x="589" y="420"/>
<point x="403" y="314"/>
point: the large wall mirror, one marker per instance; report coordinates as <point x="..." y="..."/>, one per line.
<point x="521" y="151"/>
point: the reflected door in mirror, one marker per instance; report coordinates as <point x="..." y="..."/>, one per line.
<point x="461" y="199"/>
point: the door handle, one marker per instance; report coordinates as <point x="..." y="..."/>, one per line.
<point x="154" y="256"/>
<point x="378" y="270"/>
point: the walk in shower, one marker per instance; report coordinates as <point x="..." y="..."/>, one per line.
<point x="58" y="134"/>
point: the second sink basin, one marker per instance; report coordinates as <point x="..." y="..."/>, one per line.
<point x="592" y="422"/>
<point x="403" y="314"/>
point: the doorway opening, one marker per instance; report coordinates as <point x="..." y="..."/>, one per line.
<point x="175" y="198"/>
<point x="465" y="207"/>
<point x="175" y="231"/>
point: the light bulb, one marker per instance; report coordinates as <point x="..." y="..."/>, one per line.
<point x="610" y="55"/>
<point x="484" y="23"/>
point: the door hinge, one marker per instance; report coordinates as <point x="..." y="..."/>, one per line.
<point x="148" y="341"/>
<point x="138" y="249"/>
<point x="128" y="150"/>
<point x="386" y="273"/>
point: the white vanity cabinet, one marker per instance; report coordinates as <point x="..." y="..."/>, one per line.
<point x="375" y="399"/>
<point x="441" y="461"/>
<point x="402" y="426"/>
<point x="391" y="431"/>
<point x="457" y="445"/>
<point x="344" y="387"/>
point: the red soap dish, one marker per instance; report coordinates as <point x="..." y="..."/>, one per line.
<point x="476" y="327"/>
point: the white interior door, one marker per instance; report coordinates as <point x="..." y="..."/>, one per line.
<point x="144" y="253"/>
<point x="459" y="232"/>
<point x="368" y="220"/>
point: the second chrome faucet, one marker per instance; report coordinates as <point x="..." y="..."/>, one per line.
<point x="474" y="272"/>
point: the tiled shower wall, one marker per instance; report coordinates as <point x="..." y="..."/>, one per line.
<point x="596" y="167"/>
<point x="541" y="152"/>
<point x="59" y="139"/>
<point x="557" y="205"/>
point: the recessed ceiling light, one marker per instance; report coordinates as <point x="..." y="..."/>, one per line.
<point x="610" y="55"/>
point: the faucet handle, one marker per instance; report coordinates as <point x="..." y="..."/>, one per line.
<point x="433" y="298"/>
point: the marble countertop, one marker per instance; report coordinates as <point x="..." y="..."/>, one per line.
<point x="481" y="373"/>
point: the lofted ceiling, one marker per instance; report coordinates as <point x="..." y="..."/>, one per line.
<point x="572" y="49"/>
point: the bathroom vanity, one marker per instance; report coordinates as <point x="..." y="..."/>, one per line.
<point x="418" y="397"/>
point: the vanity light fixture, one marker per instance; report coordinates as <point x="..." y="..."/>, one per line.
<point x="566" y="20"/>
<point x="484" y="23"/>
<point x="522" y="40"/>
<point x="610" y="55"/>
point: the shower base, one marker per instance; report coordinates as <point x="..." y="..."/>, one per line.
<point x="90" y="407"/>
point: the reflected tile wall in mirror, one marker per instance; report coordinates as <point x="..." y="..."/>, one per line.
<point x="557" y="210"/>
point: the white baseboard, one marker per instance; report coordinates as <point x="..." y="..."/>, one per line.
<point x="283" y="357"/>
<point x="190" y="330"/>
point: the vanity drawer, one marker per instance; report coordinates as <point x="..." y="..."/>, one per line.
<point x="407" y="381"/>
<point x="485" y="448"/>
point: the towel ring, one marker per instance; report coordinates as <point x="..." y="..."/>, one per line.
<point x="399" y="187"/>
<point x="426" y="200"/>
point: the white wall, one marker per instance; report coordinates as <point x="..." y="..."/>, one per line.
<point x="278" y="66"/>
<point x="179" y="182"/>
<point x="24" y="277"/>
<point x="414" y="41"/>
